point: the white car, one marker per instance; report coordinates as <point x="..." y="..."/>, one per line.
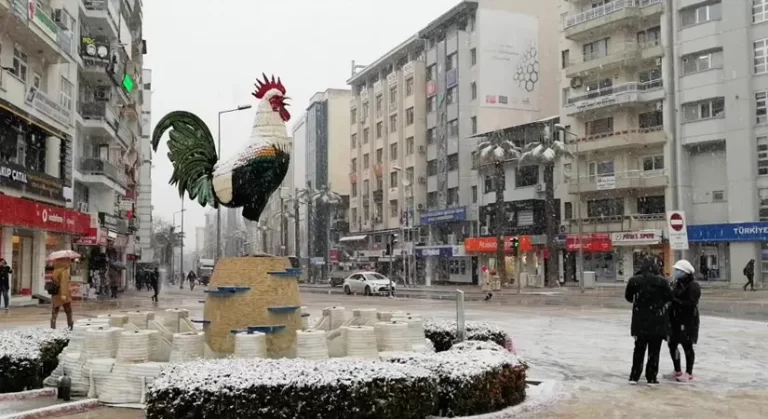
<point x="368" y="283"/>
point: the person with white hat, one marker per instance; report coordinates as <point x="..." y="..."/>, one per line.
<point x="684" y="318"/>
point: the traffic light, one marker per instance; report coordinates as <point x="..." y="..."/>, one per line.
<point x="515" y="246"/>
<point x="391" y="244"/>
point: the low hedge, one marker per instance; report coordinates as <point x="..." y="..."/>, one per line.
<point x="476" y="345"/>
<point x="470" y="382"/>
<point x="27" y="356"/>
<point x="442" y="333"/>
<point x="292" y="388"/>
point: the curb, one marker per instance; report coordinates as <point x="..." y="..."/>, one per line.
<point x="27" y="395"/>
<point x="57" y="410"/>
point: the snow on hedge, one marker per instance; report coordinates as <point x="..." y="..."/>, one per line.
<point x="456" y="365"/>
<point x="477" y="345"/>
<point x="442" y="333"/>
<point x="27" y="343"/>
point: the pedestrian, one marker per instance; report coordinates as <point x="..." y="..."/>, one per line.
<point x="191" y="277"/>
<point x="684" y="318"/>
<point x="61" y="295"/>
<point x="5" y="283"/>
<point x="650" y="295"/>
<point x="114" y="281"/>
<point x="749" y="272"/>
<point x="154" y="282"/>
<point x="487" y="285"/>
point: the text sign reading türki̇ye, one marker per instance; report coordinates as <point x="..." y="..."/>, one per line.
<point x="677" y="229"/>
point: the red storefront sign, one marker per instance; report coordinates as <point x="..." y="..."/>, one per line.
<point x="595" y="243"/>
<point x="334" y="254"/>
<point x="23" y="213"/>
<point x="95" y="237"/>
<point x="488" y="244"/>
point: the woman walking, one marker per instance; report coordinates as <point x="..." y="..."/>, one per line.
<point x="684" y="318"/>
<point x="61" y="297"/>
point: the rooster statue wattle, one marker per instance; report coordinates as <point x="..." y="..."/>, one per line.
<point x="251" y="176"/>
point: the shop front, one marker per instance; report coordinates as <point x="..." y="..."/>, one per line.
<point x="531" y="253"/>
<point x="720" y="251"/>
<point x="599" y="257"/>
<point x="631" y="247"/>
<point x="29" y="231"/>
<point x="451" y="264"/>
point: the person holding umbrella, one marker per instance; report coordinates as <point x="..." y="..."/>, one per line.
<point x="58" y="288"/>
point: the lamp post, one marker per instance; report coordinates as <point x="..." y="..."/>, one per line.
<point x="173" y="239"/>
<point x="410" y="212"/>
<point x="218" y="209"/>
<point x="580" y="262"/>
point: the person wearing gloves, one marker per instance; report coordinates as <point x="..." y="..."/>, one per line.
<point x="684" y="318"/>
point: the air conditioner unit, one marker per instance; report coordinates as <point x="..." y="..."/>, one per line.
<point x="102" y="95"/>
<point x="485" y="231"/>
<point x="541" y="187"/>
<point x="422" y="180"/>
<point x="422" y="149"/>
<point x="576" y="82"/>
<point x="82" y="206"/>
<point x="62" y="19"/>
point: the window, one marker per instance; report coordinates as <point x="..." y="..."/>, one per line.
<point x="393" y="151"/>
<point x="701" y="14"/>
<point x="702" y="61"/>
<point x="598" y="169"/>
<point x="432" y="200"/>
<point x="430" y="136"/>
<point x="453" y="128"/>
<point x="19" y="68"/>
<point x="392" y="97"/>
<point x="599" y="126"/>
<point x="565" y="58"/>
<point x="354" y="194"/>
<point x="66" y="93"/>
<point x="649" y="37"/>
<point x="473" y="121"/>
<point x="451" y="95"/>
<point x="759" y="11"/>
<point x="394" y="210"/>
<point x="711" y="108"/>
<point x="473" y="90"/>
<point x="353" y="140"/>
<point x="393" y="179"/>
<point x="364" y="115"/>
<point x="379" y="105"/>
<point x="598" y="88"/>
<point x="566" y="172"/>
<point x="378" y="212"/>
<point x="761" y="108"/>
<point x="473" y="56"/>
<point x="605" y="207"/>
<point x="354" y="165"/>
<point x="650" y="78"/>
<point x="379" y="183"/>
<point x="452" y="197"/>
<point x="409" y="86"/>
<point x="595" y="50"/>
<point x="653" y="163"/>
<point x="366" y="213"/>
<point x="762" y="156"/>
<point x="409" y="146"/>
<point x="718" y="196"/>
<point x="393" y="123"/>
<point x="432" y="167"/>
<point x="409" y="174"/>
<point x="651" y="205"/>
<point x="409" y="116"/>
<point x="379" y="129"/>
<point x="489" y="184"/>
<point x="451" y="62"/>
<point x="379" y="155"/>
<point x="354" y="216"/>
<point x="366" y="161"/>
<point x="763" y="196"/>
<point x="568" y="209"/>
<point x="761" y="56"/>
<point x="526" y="176"/>
<point x="431" y="104"/>
<point x="453" y="162"/>
<point x="653" y="119"/>
<point x="365" y="135"/>
<point x="353" y="116"/>
<point x="432" y="72"/>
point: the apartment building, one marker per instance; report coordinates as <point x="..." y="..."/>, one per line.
<point x="476" y="68"/>
<point x="299" y="133"/>
<point x="666" y="103"/>
<point x="144" y="198"/>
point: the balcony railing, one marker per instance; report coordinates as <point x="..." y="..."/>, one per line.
<point x="98" y="111"/>
<point x="125" y="134"/>
<point x="620" y="180"/>
<point x="378" y="195"/>
<point x="606" y="9"/>
<point x="102" y="167"/>
<point x="617" y="90"/>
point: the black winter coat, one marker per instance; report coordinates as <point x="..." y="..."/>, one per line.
<point x="650" y="296"/>
<point x="684" y="311"/>
<point x="5" y="276"/>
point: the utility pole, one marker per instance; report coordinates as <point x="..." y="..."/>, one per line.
<point x="296" y="227"/>
<point x="181" y="251"/>
<point x="310" y="271"/>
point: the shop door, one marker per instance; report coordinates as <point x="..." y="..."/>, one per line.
<point x="22" y="264"/>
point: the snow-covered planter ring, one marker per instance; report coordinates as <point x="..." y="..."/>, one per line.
<point x="442" y="333"/>
<point x="29" y="355"/>
<point x="470" y="382"/>
<point x="292" y="388"/>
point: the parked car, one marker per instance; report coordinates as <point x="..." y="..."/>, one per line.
<point x="368" y="283"/>
<point x="338" y="277"/>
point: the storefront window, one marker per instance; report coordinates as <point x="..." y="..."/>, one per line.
<point x="602" y="264"/>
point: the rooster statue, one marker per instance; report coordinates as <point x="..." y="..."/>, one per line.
<point x="251" y="176"/>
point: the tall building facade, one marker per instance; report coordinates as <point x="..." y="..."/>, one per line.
<point x="144" y="198"/>
<point x="666" y="101"/>
<point x="327" y="151"/>
<point x="477" y="68"/>
<point x="299" y="133"/>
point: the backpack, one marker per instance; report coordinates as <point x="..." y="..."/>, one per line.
<point x="745" y="271"/>
<point x="52" y="288"/>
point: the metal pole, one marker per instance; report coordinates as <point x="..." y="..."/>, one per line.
<point x="580" y="261"/>
<point x="461" y="331"/>
<point x="181" y="251"/>
<point x="518" y="274"/>
<point x="310" y="270"/>
<point x="218" y="208"/>
<point x="282" y="217"/>
<point x="296" y="226"/>
<point x="391" y="257"/>
<point x="328" y="245"/>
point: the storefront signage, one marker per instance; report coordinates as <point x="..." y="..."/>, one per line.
<point x="112" y="222"/>
<point x="434" y="251"/>
<point x="443" y="216"/>
<point x="606" y="182"/>
<point x="636" y="238"/>
<point x="48" y="106"/>
<point x="95" y="237"/>
<point x="488" y="244"/>
<point x="595" y="243"/>
<point x="739" y="232"/>
<point x="94" y="51"/>
<point x="677" y="230"/>
<point x="19" y="212"/>
<point x="42" y="20"/>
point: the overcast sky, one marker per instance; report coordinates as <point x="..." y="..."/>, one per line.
<point x="205" y="55"/>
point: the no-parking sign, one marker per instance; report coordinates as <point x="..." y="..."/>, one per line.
<point x="677" y="230"/>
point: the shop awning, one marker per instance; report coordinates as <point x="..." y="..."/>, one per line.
<point x="352" y="238"/>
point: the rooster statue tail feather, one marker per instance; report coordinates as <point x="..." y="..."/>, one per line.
<point x="249" y="178"/>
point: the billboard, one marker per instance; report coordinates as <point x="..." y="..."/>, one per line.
<point x="508" y="60"/>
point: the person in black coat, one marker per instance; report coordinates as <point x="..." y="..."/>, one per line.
<point x="684" y="318"/>
<point x="154" y="282"/>
<point x="5" y="282"/>
<point x="650" y="295"/>
<point x="749" y="272"/>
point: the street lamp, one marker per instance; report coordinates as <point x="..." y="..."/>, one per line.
<point x="173" y="244"/>
<point x="580" y="262"/>
<point x="218" y="209"/>
<point x="410" y="214"/>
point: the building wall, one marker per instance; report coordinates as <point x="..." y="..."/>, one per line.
<point x="144" y="199"/>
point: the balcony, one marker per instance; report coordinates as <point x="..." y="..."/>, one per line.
<point x="627" y="55"/>
<point x="366" y="199"/>
<point x="605" y="18"/>
<point x="39" y="33"/>
<point x="102" y="16"/>
<point x="378" y="195"/>
<point x="36" y="102"/>
<point x="631" y="138"/>
<point x="125" y="135"/>
<point x="631" y="179"/>
<point x="99" y="119"/>
<point x="104" y="173"/>
<point x="626" y="94"/>
<point x="614" y="223"/>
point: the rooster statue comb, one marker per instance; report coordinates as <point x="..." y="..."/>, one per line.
<point x="249" y="178"/>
